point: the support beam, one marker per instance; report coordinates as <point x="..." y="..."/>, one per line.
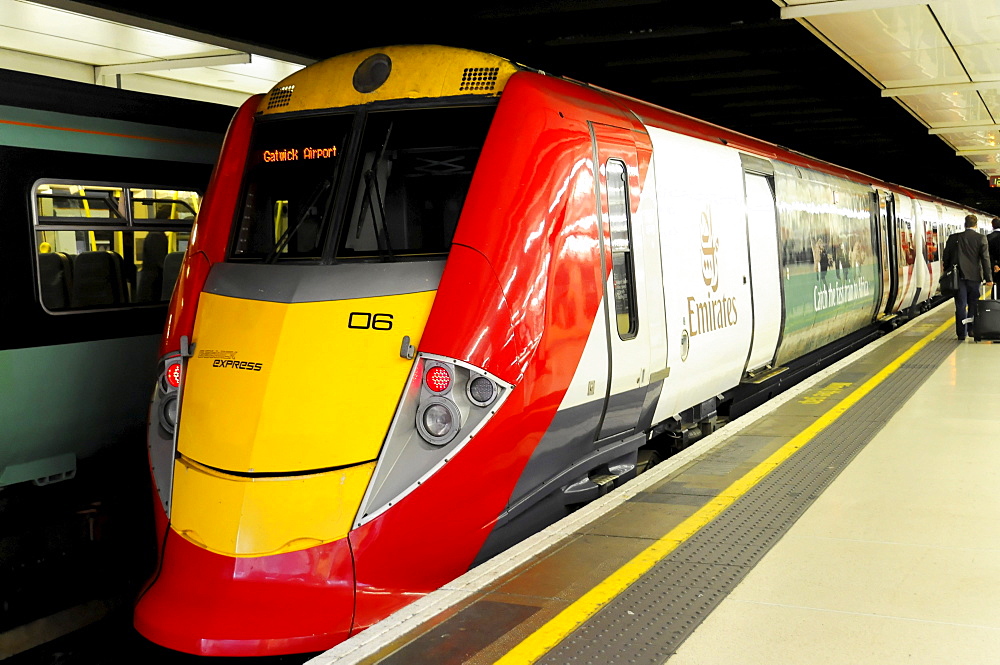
<point x="966" y="128"/>
<point x="167" y="29"/>
<point x="975" y="86"/>
<point x="846" y="7"/>
<point x="979" y="151"/>
<point x="171" y="63"/>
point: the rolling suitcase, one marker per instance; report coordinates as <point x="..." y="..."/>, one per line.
<point x="986" y="324"/>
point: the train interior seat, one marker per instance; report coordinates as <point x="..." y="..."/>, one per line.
<point x="306" y="239"/>
<point x="171" y="268"/>
<point x="55" y="272"/>
<point x="98" y="279"/>
<point x="149" y="287"/>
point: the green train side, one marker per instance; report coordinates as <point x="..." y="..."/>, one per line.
<point x="98" y="189"/>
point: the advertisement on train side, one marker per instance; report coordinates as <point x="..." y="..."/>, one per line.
<point x="829" y="274"/>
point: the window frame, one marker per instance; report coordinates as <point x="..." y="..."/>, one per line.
<point x="126" y="223"/>
<point x="630" y="300"/>
<point x="339" y="215"/>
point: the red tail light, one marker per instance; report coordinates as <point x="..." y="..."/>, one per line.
<point x="438" y="379"/>
<point x="173" y="375"/>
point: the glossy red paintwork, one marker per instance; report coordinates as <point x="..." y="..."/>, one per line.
<point x="210" y="234"/>
<point x="536" y="237"/>
<point x="214" y="605"/>
<point x="533" y="190"/>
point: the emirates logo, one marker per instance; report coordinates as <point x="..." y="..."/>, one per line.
<point x="709" y="252"/>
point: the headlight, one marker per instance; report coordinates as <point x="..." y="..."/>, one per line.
<point x="445" y="404"/>
<point x="438" y="421"/>
<point x="482" y="391"/>
<point x="168" y="412"/>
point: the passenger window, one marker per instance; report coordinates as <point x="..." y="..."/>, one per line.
<point x="109" y="245"/>
<point x="931" y="246"/>
<point x="907" y="242"/>
<point x="623" y="270"/>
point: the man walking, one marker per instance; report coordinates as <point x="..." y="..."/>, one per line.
<point x="970" y="252"/>
<point x="993" y="240"/>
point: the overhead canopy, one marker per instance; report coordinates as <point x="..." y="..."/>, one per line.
<point x="939" y="59"/>
<point x="737" y="64"/>
<point x="82" y="43"/>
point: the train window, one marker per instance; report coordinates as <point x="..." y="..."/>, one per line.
<point x="414" y="170"/>
<point x="104" y="245"/>
<point x="289" y="187"/>
<point x="167" y="206"/>
<point x="100" y="204"/>
<point x="623" y="270"/>
<point x="906" y="241"/>
<point x="931" y="245"/>
<point x="403" y="197"/>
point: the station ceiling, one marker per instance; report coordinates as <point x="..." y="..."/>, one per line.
<point x="903" y="90"/>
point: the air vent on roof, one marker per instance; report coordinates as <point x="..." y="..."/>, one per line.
<point x="280" y="97"/>
<point x="479" y="78"/>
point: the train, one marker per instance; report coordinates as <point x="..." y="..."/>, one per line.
<point x="99" y="188"/>
<point x="436" y="300"/>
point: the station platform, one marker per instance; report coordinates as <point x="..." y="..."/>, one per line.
<point x="849" y="520"/>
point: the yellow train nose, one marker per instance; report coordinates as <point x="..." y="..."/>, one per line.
<point x="283" y="388"/>
<point x="283" y="412"/>
<point x="250" y="517"/>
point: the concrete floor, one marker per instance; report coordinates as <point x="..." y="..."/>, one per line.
<point x="898" y="561"/>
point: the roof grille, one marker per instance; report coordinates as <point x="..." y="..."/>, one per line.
<point x="479" y="78"/>
<point x="280" y="97"/>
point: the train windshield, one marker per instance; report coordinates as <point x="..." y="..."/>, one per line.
<point x="290" y="185"/>
<point x="414" y="170"/>
<point x="399" y="199"/>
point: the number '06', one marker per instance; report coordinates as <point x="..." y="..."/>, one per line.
<point x="366" y="321"/>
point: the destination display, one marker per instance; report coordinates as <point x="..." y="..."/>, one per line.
<point x="295" y="154"/>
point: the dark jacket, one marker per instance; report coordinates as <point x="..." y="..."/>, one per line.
<point x="993" y="240"/>
<point x="970" y="252"/>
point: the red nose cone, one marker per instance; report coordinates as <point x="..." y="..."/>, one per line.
<point x="213" y="605"/>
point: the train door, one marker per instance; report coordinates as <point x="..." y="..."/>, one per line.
<point x="934" y="252"/>
<point x="890" y="259"/>
<point x="624" y="253"/>
<point x="924" y="238"/>
<point x="906" y="252"/>
<point x="762" y="252"/>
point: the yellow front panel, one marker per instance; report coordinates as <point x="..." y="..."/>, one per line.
<point x="261" y="516"/>
<point x="417" y="72"/>
<point x="275" y="387"/>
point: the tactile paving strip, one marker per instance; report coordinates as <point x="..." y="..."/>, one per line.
<point x="649" y="621"/>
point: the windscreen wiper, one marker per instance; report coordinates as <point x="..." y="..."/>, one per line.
<point x="283" y="241"/>
<point x="371" y="183"/>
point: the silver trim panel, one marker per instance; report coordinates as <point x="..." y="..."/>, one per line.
<point x="319" y="283"/>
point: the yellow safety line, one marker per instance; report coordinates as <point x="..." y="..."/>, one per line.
<point x="548" y="636"/>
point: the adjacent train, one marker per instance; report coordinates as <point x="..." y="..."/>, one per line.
<point x="99" y="188"/>
<point x="435" y="300"/>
